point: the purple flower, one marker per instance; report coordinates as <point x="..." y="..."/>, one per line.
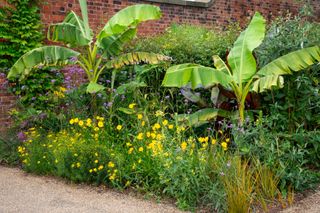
<point x="21" y="136"/>
<point x="73" y="59"/>
<point x="167" y="97"/>
<point x="108" y="81"/>
<point x="33" y="98"/>
<point x="222" y="173"/>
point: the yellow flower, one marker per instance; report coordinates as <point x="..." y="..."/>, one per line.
<point x="165" y="122"/>
<point x="170" y="126"/>
<point x="140" y="116"/>
<point x="96" y="161"/>
<point x="128" y="144"/>
<point x="100" y="124"/>
<point x="140" y="136"/>
<point x="130" y="150"/>
<point x="156" y="126"/>
<point x="71" y="121"/>
<point x="183" y="146"/>
<point x="95" y="170"/>
<point x="110" y="164"/>
<point x="213" y="141"/>
<point x="119" y="127"/>
<point x="139" y="161"/>
<point x="159" y="113"/>
<point x="100" y="167"/>
<point x="80" y="123"/>
<point x="148" y="134"/>
<point x="140" y="149"/>
<point x="78" y="165"/>
<point x="228" y="140"/>
<point x="143" y="123"/>
<point x="88" y="122"/>
<point x="90" y="170"/>
<point x="131" y="106"/>
<point x="153" y="135"/>
<point x="76" y="120"/>
<point x="224" y="146"/>
<point x="96" y="154"/>
<point x="96" y="129"/>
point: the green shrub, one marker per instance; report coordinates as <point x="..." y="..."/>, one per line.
<point x="21" y="29"/>
<point x="297" y="105"/>
<point x="292" y="157"/>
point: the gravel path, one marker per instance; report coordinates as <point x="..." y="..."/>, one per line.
<point x="25" y="193"/>
<point x="310" y="204"/>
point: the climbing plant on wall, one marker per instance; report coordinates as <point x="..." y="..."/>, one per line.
<point x="20" y="30"/>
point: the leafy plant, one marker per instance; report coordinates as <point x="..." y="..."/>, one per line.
<point x="296" y="106"/>
<point x="240" y="73"/>
<point x="20" y="29"/>
<point x="75" y="32"/>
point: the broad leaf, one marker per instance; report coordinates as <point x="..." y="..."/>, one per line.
<point x="198" y="76"/>
<point x="113" y="45"/>
<point x="67" y="33"/>
<point x="220" y="65"/>
<point x="293" y="61"/>
<point x="130" y="17"/>
<point x="136" y="58"/>
<point x="270" y="75"/>
<point x="240" y="59"/>
<point x="268" y="82"/>
<point x="202" y="116"/>
<point x="84" y="12"/>
<point x="94" y="87"/>
<point x="42" y="56"/>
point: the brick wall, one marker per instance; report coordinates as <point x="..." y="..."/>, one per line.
<point x="219" y="13"/>
<point x="7" y="101"/>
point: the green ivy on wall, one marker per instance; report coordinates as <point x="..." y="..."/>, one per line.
<point x="20" y="30"/>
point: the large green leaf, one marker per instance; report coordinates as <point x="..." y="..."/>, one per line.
<point x="268" y="82"/>
<point x="135" y="58"/>
<point x="42" y="56"/>
<point x="194" y="74"/>
<point x="240" y="59"/>
<point x="113" y="45"/>
<point x="94" y="87"/>
<point x="84" y="12"/>
<point x="270" y="75"/>
<point x="130" y="17"/>
<point x="67" y="33"/>
<point x="202" y="116"/>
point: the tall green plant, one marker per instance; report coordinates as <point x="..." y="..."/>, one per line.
<point x="100" y="53"/>
<point x="240" y="73"/>
<point x="20" y="29"/>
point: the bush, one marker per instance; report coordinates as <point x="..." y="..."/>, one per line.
<point x="20" y="28"/>
<point x="292" y="157"/>
<point x="297" y="105"/>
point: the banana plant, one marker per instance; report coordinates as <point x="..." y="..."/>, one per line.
<point x="93" y="54"/>
<point x="239" y="74"/>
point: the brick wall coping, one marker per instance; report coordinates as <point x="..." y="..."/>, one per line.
<point x="194" y="3"/>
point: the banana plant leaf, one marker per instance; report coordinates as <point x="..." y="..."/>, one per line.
<point x="126" y="19"/>
<point x="202" y="116"/>
<point x="113" y="45"/>
<point x="68" y="34"/>
<point x="94" y="87"/>
<point x="270" y="75"/>
<point x="240" y="58"/>
<point x="198" y="76"/>
<point x="136" y="58"/>
<point x="42" y="56"/>
<point x="84" y="13"/>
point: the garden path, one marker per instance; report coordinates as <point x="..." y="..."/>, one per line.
<point x="22" y="192"/>
<point x="310" y="204"/>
